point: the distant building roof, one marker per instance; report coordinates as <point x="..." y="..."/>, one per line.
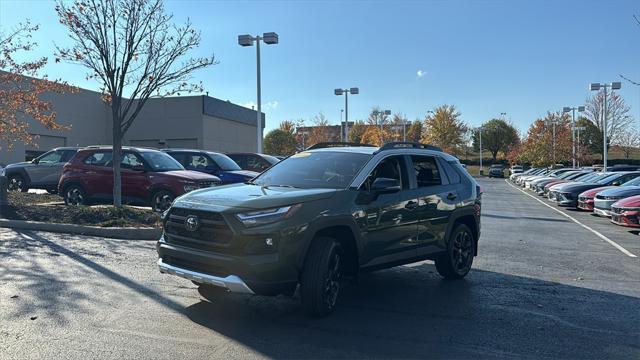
<point x="229" y="111"/>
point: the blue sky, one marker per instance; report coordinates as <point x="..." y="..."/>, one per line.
<point x="486" y="57"/>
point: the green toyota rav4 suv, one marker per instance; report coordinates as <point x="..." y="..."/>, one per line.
<point x="324" y="215"/>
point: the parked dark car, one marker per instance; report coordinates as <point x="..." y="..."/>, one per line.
<point x="42" y="172"/>
<point x="322" y="215"/>
<point x="567" y="194"/>
<point x="253" y="162"/>
<point x="496" y="171"/>
<point x="212" y="163"/>
<point x="149" y="177"/>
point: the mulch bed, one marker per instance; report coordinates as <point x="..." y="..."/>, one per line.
<point x="50" y="208"/>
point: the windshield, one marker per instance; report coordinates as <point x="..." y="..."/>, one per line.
<point x="224" y="162"/>
<point x="271" y="159"/>
<point x="322" y="169"/>
<point x="589" y="178"/>
<point x="160" y="161"/>
<point x="633" y="182"/>
<point x="610" y="178"/>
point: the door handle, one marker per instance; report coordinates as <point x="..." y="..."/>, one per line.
<point x="452" y="196"/>
<point x="411" y="205"/>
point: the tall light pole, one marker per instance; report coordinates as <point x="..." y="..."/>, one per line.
<point x="503" y="115"/>
<point x="342" y="127"/>
<point x="346" y="92"/>
<point x="382" y="113"/>
<point x="554" y="122"/>
<point x="480" y="129"/>
<point x="269" y="38"/>
<point x="577" y="129"/>
<point x="566" y="109"/>
<point x="596" y="87"/>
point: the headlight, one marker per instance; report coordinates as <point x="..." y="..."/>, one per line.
<point x="189" y="185"/>
<point x="262" y="217"/>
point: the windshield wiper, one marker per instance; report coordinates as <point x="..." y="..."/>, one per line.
<point x="278" y="185"/>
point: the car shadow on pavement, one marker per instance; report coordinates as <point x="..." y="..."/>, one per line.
<point x="412" y="312"/>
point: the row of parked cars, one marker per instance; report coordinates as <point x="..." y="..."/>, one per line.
<point x="149" y="176"/>
<point x="614" y="193"/>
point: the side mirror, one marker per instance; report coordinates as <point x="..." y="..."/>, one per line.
<point x="385" y="185"/>
<point x="139" y="168"/>
<point x="35" y="161"/>
<point x="616" y="183"/>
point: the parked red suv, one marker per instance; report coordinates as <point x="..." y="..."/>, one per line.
<point x="149" y="177"/>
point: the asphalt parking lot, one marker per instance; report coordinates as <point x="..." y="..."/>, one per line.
<point x="543" y="286"/>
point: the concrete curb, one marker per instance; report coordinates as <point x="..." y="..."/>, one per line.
<point x="126" y="233"/>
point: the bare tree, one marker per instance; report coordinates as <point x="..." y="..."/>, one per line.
<point x="628" y="141"/>
<point x="618" y="118"/>
<point x="133" y="49"/>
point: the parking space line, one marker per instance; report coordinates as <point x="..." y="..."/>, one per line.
<point x="597" y="233"/>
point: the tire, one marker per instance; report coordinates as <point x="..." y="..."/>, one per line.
<point x="17" y="183"/>
<point x="161" y="200"/>
<point x="457" y="261"/>
<point x="321" y="275"/>
<point x="74" y="195"/>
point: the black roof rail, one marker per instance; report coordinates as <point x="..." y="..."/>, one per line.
<point x="331" y="144"/>
<point x="408" y="144"/>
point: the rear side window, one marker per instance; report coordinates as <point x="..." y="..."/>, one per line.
<point x="100" y="158"/>
<point x="452" y="174"/>
<point x="426" y="170"/>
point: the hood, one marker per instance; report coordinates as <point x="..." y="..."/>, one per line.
<point x="20" y="164"/>
<point x="576" y="187"/>
<point x="251" y="196"/>
<point x="542" y="179"/>
<point x="592" y="192"/>
<point x="624" y="191"/>
<point x="189" y="175"/>
<point x="630" y="202"/>
<point x="245" y="173"/>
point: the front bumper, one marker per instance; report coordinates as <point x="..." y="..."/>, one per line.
<point x="602" y="212"/>
<point x="231" y="282"/>
<point x="625" y="217"/>
<point x="585" y="205"/>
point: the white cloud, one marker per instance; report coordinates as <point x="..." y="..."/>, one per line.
<point x="270" y="105"/>
<point x="421" y="73"/>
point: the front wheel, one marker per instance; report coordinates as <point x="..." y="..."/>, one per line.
<point x="17" y="183"/>
<point x="161" y="200"/>
<point x="321" y="275"/>
<point x="74" y="195"/>
<point x="456" y="262"/>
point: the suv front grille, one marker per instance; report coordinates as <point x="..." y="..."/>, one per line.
<point x="212" y="232"/>
<point x="616" y="210"/>
<point x="208" y="183"/>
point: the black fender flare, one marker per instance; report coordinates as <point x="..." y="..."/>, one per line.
<point x="457" y="214"/>
<point x="326" y="222"/>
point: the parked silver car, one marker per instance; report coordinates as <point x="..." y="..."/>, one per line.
<point x="42" y="172"/>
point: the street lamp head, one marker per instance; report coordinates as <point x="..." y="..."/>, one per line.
<point x="387" y="112"/>
<point x="616" y="85"/>
<point x="566" y="109"/>
<point x="338" y="91"/>
<point x="354" y="91"/>
<point x="270" y="38"/>
<point x="580" y="108"/>
<point x="245" y="40"/>
<point x="594" y="86"/>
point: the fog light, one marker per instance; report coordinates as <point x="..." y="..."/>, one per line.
<point x="268" y="241"/>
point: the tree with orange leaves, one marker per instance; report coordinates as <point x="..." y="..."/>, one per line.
<point x="20" y="93"/>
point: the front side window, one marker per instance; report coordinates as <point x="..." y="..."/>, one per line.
<point x="130" y="160"/>
<point x="426" y="170"/>
<point x="198" y="162"/>
<point x="322" y="169"/>
<point x="50" y="157"/>
<point x="224" y="162"/>
<point x="390" y="168"/>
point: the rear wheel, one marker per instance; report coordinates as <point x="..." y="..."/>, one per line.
<point x="321" y="276"/>
<point x="456" y="262"/>
<point x="75" y="195"/>
<point x="161" y="200"/>
<point x="17" y="183"/>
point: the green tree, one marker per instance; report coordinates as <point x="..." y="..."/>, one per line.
<point x="414" y="132"/>
<point x="280" y="142"/>
<point x="356" y="131"/>
<point x="445" y="129"/>
<point x="497" y="136"/>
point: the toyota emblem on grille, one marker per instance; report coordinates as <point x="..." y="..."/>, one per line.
<point x="192" y="223"/>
